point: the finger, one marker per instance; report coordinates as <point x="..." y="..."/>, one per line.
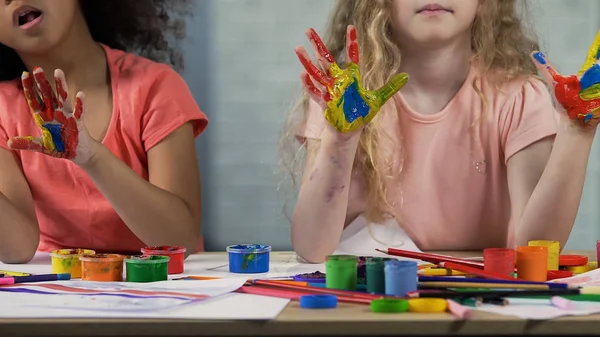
<point x="32" y="99"/>
<point x="392" y="87"/>
<point x="314" y="93"/>
<point x="312" y="69"/>
<point x="351" y="45"/>
<point x="323" y="56"/>
<point x="544" y="66"/>
<point x="26" y="143"/>
<point x="44" y="88"/>
<point x="593" y="55"/>
<point x="61" y="90"/>
<point x="79" y="101"/>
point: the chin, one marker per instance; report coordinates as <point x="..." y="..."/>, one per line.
<point x="35" y="46"/>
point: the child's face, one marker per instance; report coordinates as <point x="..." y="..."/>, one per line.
<point x="426" y="23"/>
<point x="35" y="26"/>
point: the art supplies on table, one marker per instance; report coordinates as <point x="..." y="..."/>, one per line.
<point x="249" y="258"/>
<point x="176" y="255"/>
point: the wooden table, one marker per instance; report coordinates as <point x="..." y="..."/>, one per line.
<point x="346" y="320"/>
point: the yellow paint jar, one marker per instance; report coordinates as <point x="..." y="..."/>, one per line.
<point x="427" y="305"/>
<point x="67" y="261"/>
<point x="553" y="251"/>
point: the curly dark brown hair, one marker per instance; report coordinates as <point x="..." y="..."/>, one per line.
<point x="149" y="28"/>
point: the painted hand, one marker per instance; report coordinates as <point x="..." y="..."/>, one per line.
<point x="63" y="132"/>
<point x="578" y="94"/>
<point x="348" y="106"/>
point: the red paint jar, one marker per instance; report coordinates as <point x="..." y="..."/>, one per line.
<point x="175" y="253"/>
<point x="499" y="261"/>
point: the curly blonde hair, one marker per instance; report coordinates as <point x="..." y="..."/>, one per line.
<point x="501" y="44"/>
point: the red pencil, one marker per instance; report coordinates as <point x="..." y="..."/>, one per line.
<point x="432" y="258"/>
<point x="476" y="272"/>
<point x="310" y="289"/>
<point x="293" y="295"/>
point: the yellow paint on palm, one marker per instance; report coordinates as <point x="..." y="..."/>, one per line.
<point x="47" y="141"/>
<point x="590" y="93"/>
<point x="592" y="55"/>
<point x="352" y="106"/>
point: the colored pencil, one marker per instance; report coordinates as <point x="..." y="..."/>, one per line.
<point x="431" y="258"/>
<point x="475" y="271"/>
<point x="495" y="293"/>
<point x="13" y="273"/>
<point x="34" y="278"/>
<point x="315" y="289"/>
<point x="483" y="280"/>
<point x="457" y="310"/>
<point x="481" y="285"/>
<point x="440" y="272"/>
<point x="295" y="295"/>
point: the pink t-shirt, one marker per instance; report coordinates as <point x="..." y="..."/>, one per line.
<point x="150" y="101"/>
<point x="453" y="192"/>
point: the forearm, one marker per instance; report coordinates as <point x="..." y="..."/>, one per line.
<point x="552" y="208"/>
<point x="21" y="235"/>
<point x="320" y="213"/>
<point x="154" y="215"/>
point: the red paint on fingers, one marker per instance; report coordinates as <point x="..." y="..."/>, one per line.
<point x="567" y="90"/>
<point x="352" y="46"/>
<point x="312" y="70"/>
<point x="78" y="108"/>
<point x="61" y="93"/>
<point x="32" y="101"/>
<point x="45" y="91"/>
<point x="23" y="143"/>
<point x="321" y="49"/>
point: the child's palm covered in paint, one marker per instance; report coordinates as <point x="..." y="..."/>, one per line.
<point x="63" y="134"/>
<point x="348" y="106"/>
<point x="579" y="94"/>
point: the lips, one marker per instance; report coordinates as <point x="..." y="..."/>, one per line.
<point x="25" y="14"/>
<point x="433" y="8"/>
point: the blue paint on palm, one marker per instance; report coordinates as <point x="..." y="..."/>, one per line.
<point x="590" y="77"/>
<point x="56" y="138"/>
<point x="354" y="105"/>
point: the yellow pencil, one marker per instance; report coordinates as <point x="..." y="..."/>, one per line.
<point x="440" y="272"/>
<point x="490" y="285"/>
<point x="13" y="273"/>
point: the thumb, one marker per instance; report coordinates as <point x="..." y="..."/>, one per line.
<point x="547" y="71"/>
<point x="26" y="143"/>
<point x="391" y="88"/>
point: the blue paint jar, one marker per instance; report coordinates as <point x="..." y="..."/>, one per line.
<point x="249" y="259"/>
<point x="400" y="277"/>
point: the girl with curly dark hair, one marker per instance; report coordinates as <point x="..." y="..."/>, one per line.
<point x="96" y="143"/>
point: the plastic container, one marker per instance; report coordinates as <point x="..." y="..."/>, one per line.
<point x="400" y="277"/>
<point x="500" y="261"/>
<point x="361" y="270"/>
<point x="316" y="277"/>
<point x="532" y="263"/>
<point x="67" y="261"/>
<point x="249" y="258"/>
<point x="150" y="268"/>
<point x="376" y="275"/>
<point x="102" y="267"/>
<point x="341" y="272"/>
<point x="175" y="253"/>
<point x="553" y="251"/>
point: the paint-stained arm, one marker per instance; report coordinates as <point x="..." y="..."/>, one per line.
<point x="322" y="208"/>
<point x="18" y="223"/>
<point x="545" y="181"/>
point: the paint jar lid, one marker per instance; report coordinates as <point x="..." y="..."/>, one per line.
<point x="163" y="250"/>
<point x="148" y="259"/>
<point x="102" y="258"/>
<point x="400" y="264"/>
<point x="316" y="277"/>
<point x="376" y="261"/>
<point x="572" y="260"/>
<point x="544" y="243"/>
<point x="558" y="274"/>
<point x="318" y="301"/>
<point x="71" y="252"/>
<point x="248" y="249"/>
<point x="389" y="305"/>
<point x="498" y="253"/>
<point x="532" y="252"/>
<point x="427" y="305"/>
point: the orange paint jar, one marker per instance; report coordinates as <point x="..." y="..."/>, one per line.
<point x="532" y="263"/>
<point x="102" y="267"/>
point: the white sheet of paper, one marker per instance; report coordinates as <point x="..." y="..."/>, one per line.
<point x="116" y="300"/>
<point x="539" y="309"/>
<point x="590" y="278"/>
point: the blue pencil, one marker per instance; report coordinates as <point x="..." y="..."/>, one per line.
<point x="426" y="279"/>
<point x="41" y="278"/>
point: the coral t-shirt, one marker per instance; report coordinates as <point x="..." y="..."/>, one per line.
<point x="452" y="193"/>
<point x="150" y="101"/>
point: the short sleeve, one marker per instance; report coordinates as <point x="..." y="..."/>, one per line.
<point x="528" y="116"/>
<point x="170" y="105"/>
<point x="314" y="122"/>
<point x="3" y="138"/>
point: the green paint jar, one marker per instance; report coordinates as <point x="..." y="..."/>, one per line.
<point x="376" y="275"/>
<point x="341" y="272"/>
<point x="147" y="268"/>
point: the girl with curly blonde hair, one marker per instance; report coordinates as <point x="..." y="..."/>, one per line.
<point x="472" y="152"/>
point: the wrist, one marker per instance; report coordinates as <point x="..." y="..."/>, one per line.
<point x="97" y="152"/>
<point x="577" y="129"/>
<point x="341" y="139"/>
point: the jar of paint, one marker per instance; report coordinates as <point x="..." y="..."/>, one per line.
<point x="400" y="277"/>
<point x="249" y="258"/>
<point x="553" y="251"/>
<point x="102" y="267"/>
<point x="175" y="253"/>
<point x="532" y="263"/>
<point x="341" y="272"/>
<point x="500" y="261"/>
<point x="67" y="261"/>
<point x="376" y="275"/>
<point x="149" y="268"/>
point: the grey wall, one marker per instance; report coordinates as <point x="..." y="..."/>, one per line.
<point x="242" y="70"/>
